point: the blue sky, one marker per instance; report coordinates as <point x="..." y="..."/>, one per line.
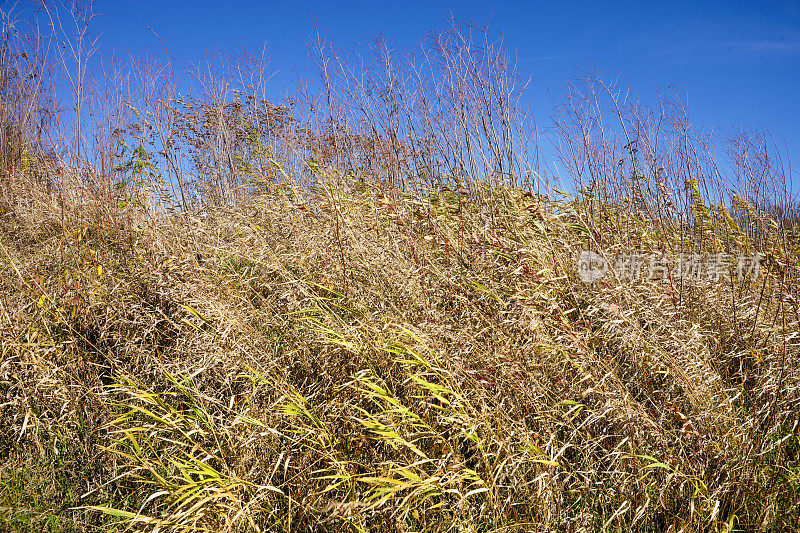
<point x="738" y="62"/>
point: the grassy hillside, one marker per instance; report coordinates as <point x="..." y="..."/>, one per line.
<point x="367" y="308"/>
<point x="357" y="360"/>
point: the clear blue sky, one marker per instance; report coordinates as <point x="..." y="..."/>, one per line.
<point x="739" y="62"/>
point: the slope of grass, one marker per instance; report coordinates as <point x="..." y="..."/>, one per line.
<point x="374" y="361"/>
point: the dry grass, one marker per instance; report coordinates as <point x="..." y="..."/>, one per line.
<point x="437" y="366"/>
<point x="352" y="312"/>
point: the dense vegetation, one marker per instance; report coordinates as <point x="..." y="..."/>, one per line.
<point x="361" y="309"/>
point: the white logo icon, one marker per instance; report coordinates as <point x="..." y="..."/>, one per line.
<point x="591" y="266"/>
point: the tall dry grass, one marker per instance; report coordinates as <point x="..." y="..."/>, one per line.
<point x="360" y="309"/>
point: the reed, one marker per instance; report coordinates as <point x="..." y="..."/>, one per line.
<point x="361" y="308"/>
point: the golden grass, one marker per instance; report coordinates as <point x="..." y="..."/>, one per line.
<point x="374" y="361"/>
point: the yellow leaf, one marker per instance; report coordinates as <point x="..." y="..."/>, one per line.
<point x="99" y="270"/>
<point x="42" y="300"/>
